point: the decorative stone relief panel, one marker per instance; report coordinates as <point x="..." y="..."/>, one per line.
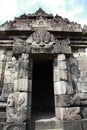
<point x="17" y="107"/>
<point x="41" y="41"/>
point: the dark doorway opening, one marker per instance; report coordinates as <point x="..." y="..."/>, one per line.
<point x="42" y="88"/>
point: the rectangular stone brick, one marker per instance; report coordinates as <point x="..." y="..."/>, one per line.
<point x="56" y="124"/>
<point x="43" y="124"/>
<point x="2" y="57"/>
<point x="72" y="125"/>
<point x="84" y="124"/>
<point x="71" y="113"/>
<point x="82" y="79"/>
<point x="63" y="87"/>
<point x="14" y="126"/>
<point x="84" y="112"/>
<point x="61" y="57"/>
<point x="82" y="87"/>
<point x="56" y="75"/>
<point x="81" y="65"/>
<point x="62" y="65"/>
<point x="8" y="79"/>
<point x="21" y="85"/>
<point x="83" y="73"/>
<point x="7" y="89"/>
<point x="63" y="75"/>
<point x="2" y="116"/>
<point x="15" y="75"/>
<point x="16" y="85"/>
<point x="8" y="72"/>
<point x="63" y="100"/>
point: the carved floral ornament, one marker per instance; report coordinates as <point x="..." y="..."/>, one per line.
<point x="41" y="39"/>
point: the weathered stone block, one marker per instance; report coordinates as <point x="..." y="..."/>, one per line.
<point x="23" y="64"/>
<point x="63" y="100"/>
<point x="82" y="87"/>
<point x="15" y="75"/>
<point x="62" y="65"/>
<point x="63" y="75"/>
<point x="7" y="89"/>
<point x="61" y="57"/>
<point x="17" y="107"/>
<point x="9" y="58"/>
<point x="82" y="79"/>
<point x="15" y="126"/>
<point x="71" y="113"/>
<point x="21" y="85"/>
<point x="43" y="124"/>
<point x="16" y="85"/>
<point x="77" y="99"/>
<point x="83" y="73"/>
<point x="2" y="57"/>
<point x="81" y="65"/>
<point x="74" y="78"/>
<point x="72" y="125"/>
<point x="84" y="124"/>
<point x="23" y="74"/>
<point x="73" y="60"/>
<point x="8" y="79"/>
<point x="74" y="70"/>
<point x="56" y="75"/>
<point x="63" y="87"/>
<point x="2" y="117"/>
<point x="84" y="112"/>
<point x="8" y="72"/>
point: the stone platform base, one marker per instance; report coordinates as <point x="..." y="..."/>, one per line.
<point x="11" y="126"/>
<point x="48" y="125"/>
<point x="61" y="125"/>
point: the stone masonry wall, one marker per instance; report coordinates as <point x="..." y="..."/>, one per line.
<point x="64" y="90"/>
<point x="80" y="79"/>
<point x="70" y="86"/>
<point x="6" y="84"/>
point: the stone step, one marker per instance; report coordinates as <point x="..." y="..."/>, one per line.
<point x="48" y="129"/>
<point x="48" y="124"/>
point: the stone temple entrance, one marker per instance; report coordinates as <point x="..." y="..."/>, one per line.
<point x="42" y="89"/>
<point x="43" y="58"/>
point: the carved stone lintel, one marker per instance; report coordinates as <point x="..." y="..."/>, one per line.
<point x="41" y="41"/>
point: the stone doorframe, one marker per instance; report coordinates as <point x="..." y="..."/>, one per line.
<point x="62" y="84"/>
<point x="22" y="95"/>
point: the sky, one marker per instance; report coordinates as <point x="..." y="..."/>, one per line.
<point x="74" y="10"/>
